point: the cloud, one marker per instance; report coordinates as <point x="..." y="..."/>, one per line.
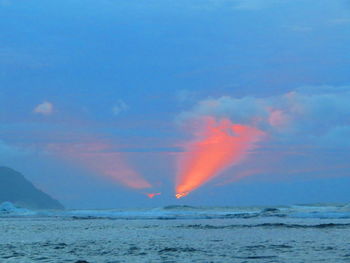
<point x="305" y="115"/>
<point x="277" y="118"/>
<point x="119" y="107"/>
<point x="240" y="110"/>
<point x="45" y="108"/>
<point x="304" y="128"/>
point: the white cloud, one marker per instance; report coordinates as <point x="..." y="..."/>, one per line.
<point x="119" y="107"/>
<point x="45" y="108"/>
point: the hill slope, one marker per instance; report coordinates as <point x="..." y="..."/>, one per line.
<point x="18" y="190"/>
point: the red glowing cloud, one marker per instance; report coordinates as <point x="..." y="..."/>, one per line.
<point x="221" y="145"/>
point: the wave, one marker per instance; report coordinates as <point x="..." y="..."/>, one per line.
<point x="173" y="212"/>
<point x="9" y="209"/>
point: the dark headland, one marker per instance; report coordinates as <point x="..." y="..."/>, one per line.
<point x="15" y="188"/>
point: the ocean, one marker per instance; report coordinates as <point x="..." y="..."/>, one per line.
<point x="299" y="233"/>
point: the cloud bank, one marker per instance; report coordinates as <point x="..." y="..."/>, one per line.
<point x="314" y="119"/>
<point x="313" y="112"/>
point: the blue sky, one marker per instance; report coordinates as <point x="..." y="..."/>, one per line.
<point x="126" y="78"/>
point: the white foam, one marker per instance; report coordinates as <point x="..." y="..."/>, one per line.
<point x="9" y="209"/>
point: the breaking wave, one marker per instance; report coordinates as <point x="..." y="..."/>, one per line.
<point x="8" y="209"/>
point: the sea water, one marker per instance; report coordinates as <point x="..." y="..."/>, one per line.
<point x="312" y="233"/>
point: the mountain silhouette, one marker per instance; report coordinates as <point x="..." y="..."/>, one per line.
<point x="15" y="188"/>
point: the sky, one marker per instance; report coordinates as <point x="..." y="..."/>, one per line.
<point x="106" y="103"/>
